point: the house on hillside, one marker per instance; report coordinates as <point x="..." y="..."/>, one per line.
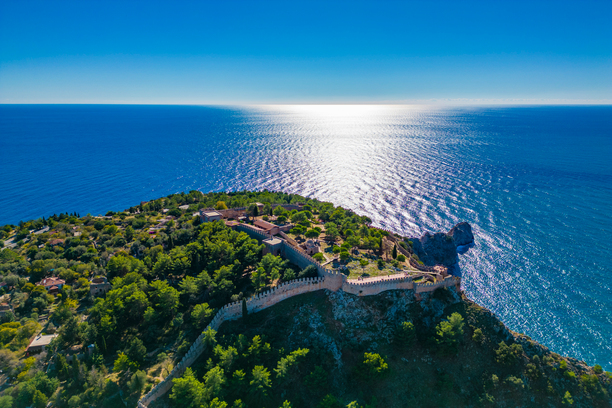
<point x="39" y="343"/>
<point x="53" y="284"/>
<point x="210" y="216"/>
<point x="5" y="308"/>
<point x="268" y="227"/>
<point x="55" y="241"/>
<point x="99" y="286"/>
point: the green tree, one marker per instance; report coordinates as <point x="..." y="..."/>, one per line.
<point x="245" y="311"/>
<point x="312" y="233"/>
<point x="138" y="381"/>
<point x="508" y="355"/>
<point x="187" y="391"/>
<point x="252" y="210"/>
<point x="213" y="382"/>
<point x="279" y="210"/>
<point x="6" y="401"/>
<point x="298" y="230"/>
<point x="449" y="332"/>
<point x="329" y="401"/>
<point x="331" y="232"/>
<point x="123" y="363"/>
<point x="374" y="364"/>
<point x="285" y="363"/>
<point x="478" y="337"/>
<point x="267" y="210"/>
<point x="201" y="313"/>
<point x="394" y="252"/>
<point x="261" y="383"/>
<point x="406" y="333"/>
<point x="136" y="351"/>
<point x="259" y="278"/>
<point x="129" y="233"/>
<point x="165" y="297"/>
<point x="38" y="270"/>
<point x="209" y="340"/>
<point x="567" y="399"/>
<point x="220" y="205"/>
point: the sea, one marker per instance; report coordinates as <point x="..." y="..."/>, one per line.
<point x="535" y="183"/>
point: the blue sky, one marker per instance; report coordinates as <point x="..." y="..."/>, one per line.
<point x="243" y="52"/>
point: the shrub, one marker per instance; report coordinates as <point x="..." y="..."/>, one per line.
<point x="517" y="382"/>
<point x="532" y="371"/>
<point x="495" y="380"/>
<point x="319" y="257"/>
<point x="569" y="374"/>
<point x="449" y="332"/>
<point x="406" y="333"/>
<point x="329" y="401"/>
<point x="374" y="364"/>
<point x="308" y="272"/>
<point x="597" y="369"/>
<point x="567" y="399"/>
<point x="508" y="355"/>
<point x="478" y="337"/>
<point x="401" y="258"/>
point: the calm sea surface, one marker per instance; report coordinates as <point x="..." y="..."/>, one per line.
<point x="534" y="182"/>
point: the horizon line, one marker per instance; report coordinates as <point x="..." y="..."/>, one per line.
<point x="406" y="103"/>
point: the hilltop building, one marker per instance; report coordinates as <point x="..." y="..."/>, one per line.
<point x="210" y="216"/>
<point x="53" y="284"/>
<point x="99" y="286"/>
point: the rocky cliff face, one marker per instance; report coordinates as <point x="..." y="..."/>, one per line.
<point x="462" y="234"/>
<point x="441" y="248"/>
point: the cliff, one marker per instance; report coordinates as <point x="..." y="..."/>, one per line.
<point x="440" y="248"/>
<point x="488" y="366"/>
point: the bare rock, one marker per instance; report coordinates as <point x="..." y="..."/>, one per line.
<point x="462" y="234"/>
<point x="441" y="248"/>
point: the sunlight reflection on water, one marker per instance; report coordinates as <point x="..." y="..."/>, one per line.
<point x="538" y="200"/>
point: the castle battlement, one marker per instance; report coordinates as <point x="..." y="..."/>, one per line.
<point x="328" y="279"/>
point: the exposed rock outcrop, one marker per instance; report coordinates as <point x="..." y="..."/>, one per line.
<point x="462" y="234"/>
<point x="441" y="248"/>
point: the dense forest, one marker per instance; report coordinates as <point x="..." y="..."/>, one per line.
<point x="169" y="272"/>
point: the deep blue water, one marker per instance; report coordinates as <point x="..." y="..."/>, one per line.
<point x="534" y="182"/>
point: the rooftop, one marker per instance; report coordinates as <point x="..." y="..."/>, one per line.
<point x="272" y="241"/>
<point x="42" y="340"/>
<point x="264" y="224"/>
<point x="51" y="282"/>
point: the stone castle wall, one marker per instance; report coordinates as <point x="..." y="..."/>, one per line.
<point x="327" y="279"/>
<point x="233" y="311"/>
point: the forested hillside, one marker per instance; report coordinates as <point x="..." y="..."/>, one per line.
<point x="130" y="291"/>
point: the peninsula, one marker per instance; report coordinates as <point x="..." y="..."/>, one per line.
<point x="258" y="299"/>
